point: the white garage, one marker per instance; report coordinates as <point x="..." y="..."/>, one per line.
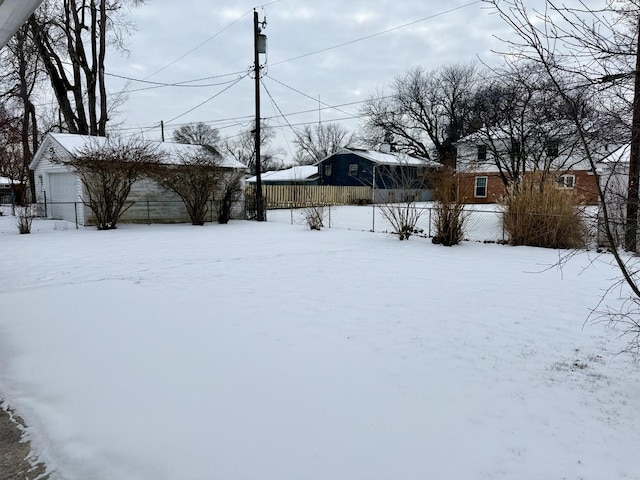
<point x="61" y="191"/>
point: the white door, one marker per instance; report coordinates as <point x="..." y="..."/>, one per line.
<point x="62" y="196"/>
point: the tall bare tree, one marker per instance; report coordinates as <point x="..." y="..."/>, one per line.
<point x="21" y="73"/>
<point x="524" y="127"/>
<point x="319" y="141"/>
<point x="242" y="148"/>
<point x="426" y="113"/>
<point x="72" y="38"/>
<point x="198" y="134"/>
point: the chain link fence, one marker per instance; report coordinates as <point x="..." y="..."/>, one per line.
<point x="53" y="216"/>
<point x="483" y="223"/>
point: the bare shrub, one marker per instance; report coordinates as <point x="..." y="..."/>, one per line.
<point x="107" y="168"/>
<point x="24" y="218"/>
<point x="448" y="211"/>
<point x="314" y="216"/>
<point x="229" y="193"/>
<point x="539" y="214"/>
<point x="194" y="178"/>
<point x="399" y="209"/>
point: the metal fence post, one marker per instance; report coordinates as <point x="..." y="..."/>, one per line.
<point x="373" y="217"/>
<point x="75" y="207"/>
<point x="45" y="204"/>
<point x="329" y="216"/>
<point x="430" y="210"/>
<point x="148" y="214"/>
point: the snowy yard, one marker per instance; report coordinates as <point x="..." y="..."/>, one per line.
<point x="270" y="352"/>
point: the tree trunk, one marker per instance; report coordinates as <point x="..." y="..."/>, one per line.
<point x="631" y="228"/>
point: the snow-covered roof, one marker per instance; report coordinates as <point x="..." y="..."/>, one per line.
<point x="73" y="143"/>
<point x="384" y="158"/>
<point x="293" y="174"/>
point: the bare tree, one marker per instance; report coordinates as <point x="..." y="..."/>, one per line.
<point x="107" y="168"/>
<point x="242" y="148"/>
<point x="195" y="177"/>
<point x="319" y="141"/>
<point x="198" y="134"/>
<point x="22" y="73"/>
<point x="589" y="50"/>
<point x="72" y="38"/>
<point x="524" y="128"/>
<point x="426" y="113"/>
<point x="12" y="164"/>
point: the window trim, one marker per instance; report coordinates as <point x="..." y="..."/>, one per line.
<point x="351" y="172"/>
<point x="327" y="170"/>
<point x="562" y="181"/>
<point x="485" y="186"/>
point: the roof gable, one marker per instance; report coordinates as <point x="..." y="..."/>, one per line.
<point x="383" y="158"/>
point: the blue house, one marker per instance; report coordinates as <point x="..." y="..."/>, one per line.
<point x="398" y="177"/>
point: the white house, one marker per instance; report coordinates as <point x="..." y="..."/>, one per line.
<point x="61" y="190"/>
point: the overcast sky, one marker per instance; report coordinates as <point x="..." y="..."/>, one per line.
<point x="297" y="78"/>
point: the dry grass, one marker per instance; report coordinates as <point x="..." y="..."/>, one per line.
<point x="449" y="214"/>
<point x="539" y="214"/>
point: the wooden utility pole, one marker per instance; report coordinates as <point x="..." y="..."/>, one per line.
<point x="631" y="227"/>
<point x="256" y="58"/>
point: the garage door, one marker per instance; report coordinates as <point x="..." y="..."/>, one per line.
<point x="62" y="194"/>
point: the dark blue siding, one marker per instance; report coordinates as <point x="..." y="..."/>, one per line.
<point x="342" y="175"/>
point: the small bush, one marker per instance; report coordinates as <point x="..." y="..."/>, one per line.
<point x="24" y="216"/>
<point x="539" y="214"/>
<point x="314" y="216"/>
<point x="448" y="211"/>
<point x="230" y="193"/>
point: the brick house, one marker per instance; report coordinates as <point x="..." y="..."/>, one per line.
<point x="482" y="180"/>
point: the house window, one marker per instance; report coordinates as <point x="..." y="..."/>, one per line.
<point x="353" y="169"/>
<point x="482" y="152"/>
<point x="553" y="149"/>
<point x="480" y="188"/>
<point x="566" y="181"/>
<point x="327" y="170"/>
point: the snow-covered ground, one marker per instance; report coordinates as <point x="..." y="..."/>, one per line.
<point x="267" y="351"/>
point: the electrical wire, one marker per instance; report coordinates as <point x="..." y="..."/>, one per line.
<point x="367" y="37"/>
<point x="207" y="100"/>
<point x="305" y="95"/>
<point x="273" y="102"/>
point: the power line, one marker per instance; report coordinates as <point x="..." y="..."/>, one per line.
<point x="282" y="115"/>
<point x="350" y="42"/>
<point x="305" y="95"/>
<point x="208" y="99"/>
<point x="183" y="83"/>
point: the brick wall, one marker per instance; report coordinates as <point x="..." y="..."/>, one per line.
<point x="585" y="186"/>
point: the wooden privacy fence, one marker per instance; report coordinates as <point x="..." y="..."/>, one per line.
<point x="292" y="196"/>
